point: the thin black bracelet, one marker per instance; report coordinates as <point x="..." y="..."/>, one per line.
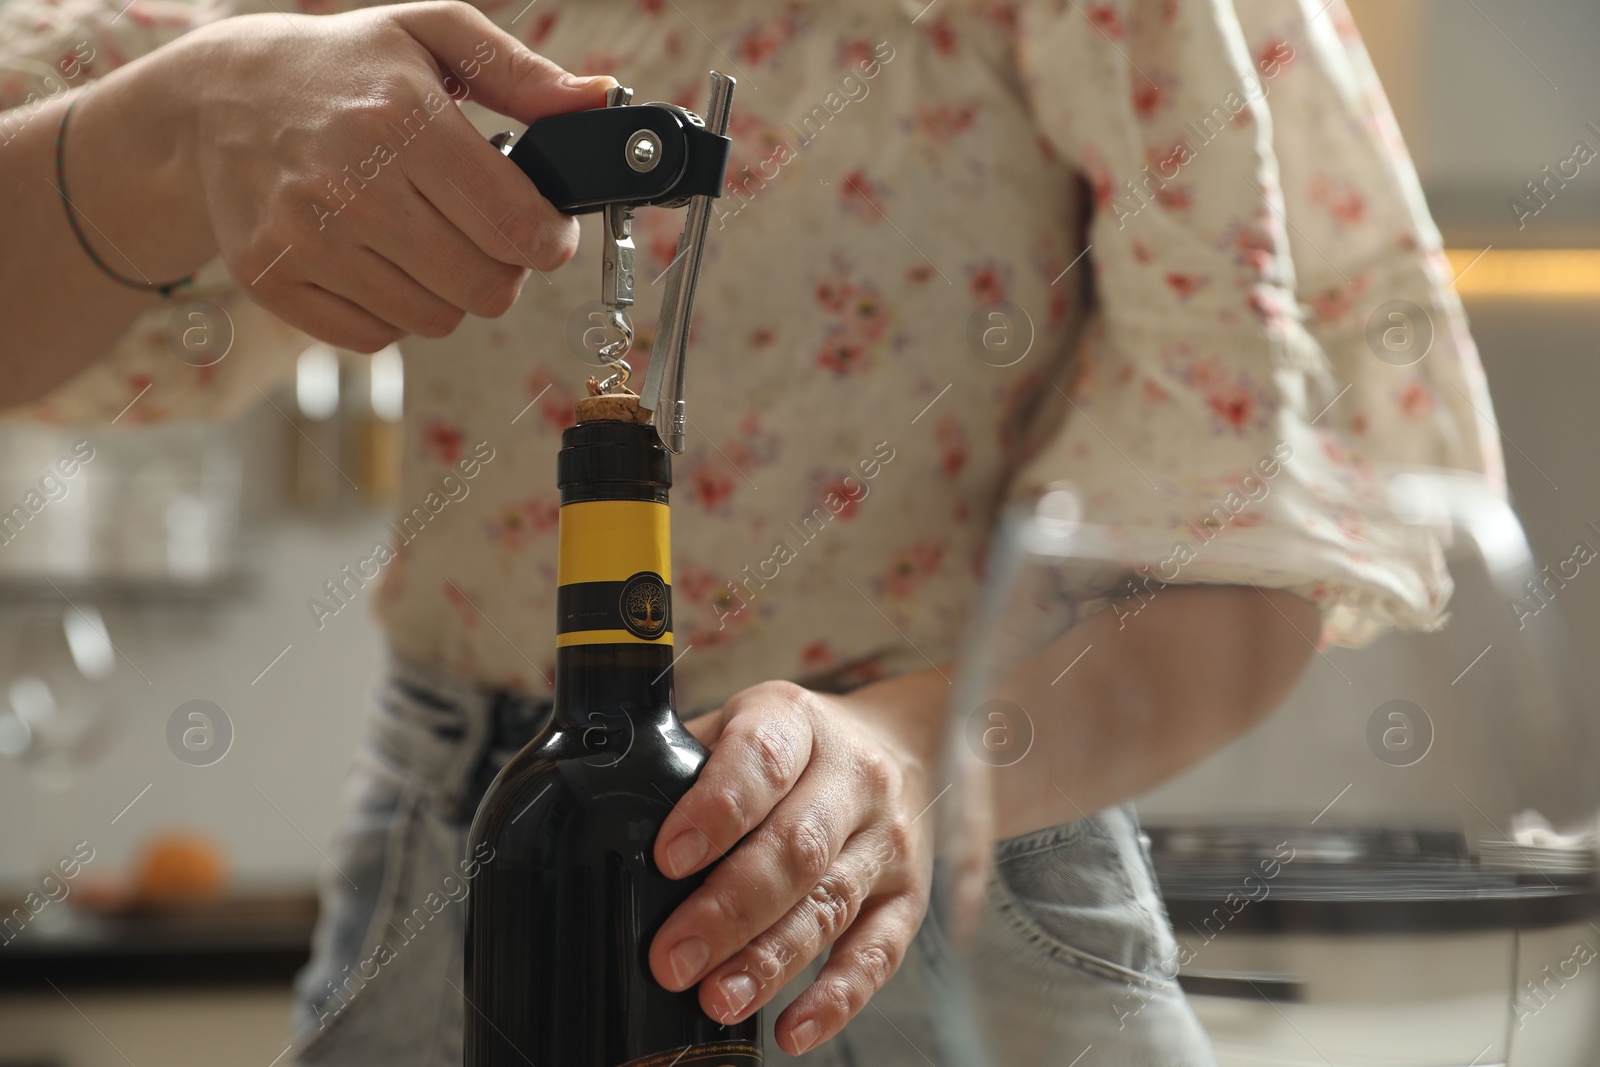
<point x="164" y="288"/>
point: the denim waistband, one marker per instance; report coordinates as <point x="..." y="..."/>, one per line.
<point x="456" y="735"/>
<point x="1044" y="838"/>
<point x="450" y="732"/>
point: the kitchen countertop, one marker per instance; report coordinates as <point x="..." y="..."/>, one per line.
<point x="236" y="941"/>
<point x="264" y="939"/>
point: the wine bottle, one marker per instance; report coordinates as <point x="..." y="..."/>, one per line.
<point x="559" y="922"/>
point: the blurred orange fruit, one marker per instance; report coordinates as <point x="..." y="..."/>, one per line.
<point x="179" y="866"/>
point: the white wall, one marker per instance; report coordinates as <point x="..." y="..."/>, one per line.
<point x="294" y="730"/>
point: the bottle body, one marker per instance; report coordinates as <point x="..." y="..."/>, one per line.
<point x="561" y="918"/>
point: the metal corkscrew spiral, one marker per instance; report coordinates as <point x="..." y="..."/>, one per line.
<point x="613" y="353"/>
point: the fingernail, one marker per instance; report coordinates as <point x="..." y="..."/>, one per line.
<point x="687" y="959"/>
<point x="806" y="1034"/>
<point x="685" y="854"/>
<point x="738" y="990"/>
<point x="584" y="81"/>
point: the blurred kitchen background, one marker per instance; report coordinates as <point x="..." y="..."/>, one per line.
<point x="196" y="549"/>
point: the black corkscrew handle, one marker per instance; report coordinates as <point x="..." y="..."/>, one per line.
<point x="641" y="154"/>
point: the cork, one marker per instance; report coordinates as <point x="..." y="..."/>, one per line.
<point x="611" y="407"/>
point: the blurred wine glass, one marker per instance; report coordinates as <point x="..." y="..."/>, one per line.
<point x="58" y="669"/>
<point x="1435" y="790"/>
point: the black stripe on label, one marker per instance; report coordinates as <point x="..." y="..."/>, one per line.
<point x="642" y="605"/>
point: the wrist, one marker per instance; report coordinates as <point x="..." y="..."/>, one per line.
<point x="908" y="712"/>
<point x="129" y="162"/>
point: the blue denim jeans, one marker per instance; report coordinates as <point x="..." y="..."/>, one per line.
<point x="1073" y="953"/>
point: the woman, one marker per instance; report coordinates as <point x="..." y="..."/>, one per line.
<point x="900" y="176"/>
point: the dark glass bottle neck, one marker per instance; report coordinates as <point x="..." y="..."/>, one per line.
<point x="603" y="684"/>
<point x="613" y="461"/>
<point x="615" y="653"/>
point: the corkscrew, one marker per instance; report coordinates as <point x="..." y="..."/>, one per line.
<point x="614" y="160"/>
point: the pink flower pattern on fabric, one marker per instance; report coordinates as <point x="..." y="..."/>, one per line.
<point x="1248" y="208"/>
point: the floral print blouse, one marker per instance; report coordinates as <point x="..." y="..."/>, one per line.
<point x="968" y="248"/>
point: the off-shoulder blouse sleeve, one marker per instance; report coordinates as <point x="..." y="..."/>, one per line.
<point x="1243" y="387"/>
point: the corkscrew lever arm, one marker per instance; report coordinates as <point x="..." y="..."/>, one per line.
<point x="663" y="383"/>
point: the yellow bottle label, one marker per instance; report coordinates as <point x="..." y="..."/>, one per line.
<point x="614" y="573"/>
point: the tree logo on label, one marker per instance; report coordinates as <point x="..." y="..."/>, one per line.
<point x="643" y="604"/>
